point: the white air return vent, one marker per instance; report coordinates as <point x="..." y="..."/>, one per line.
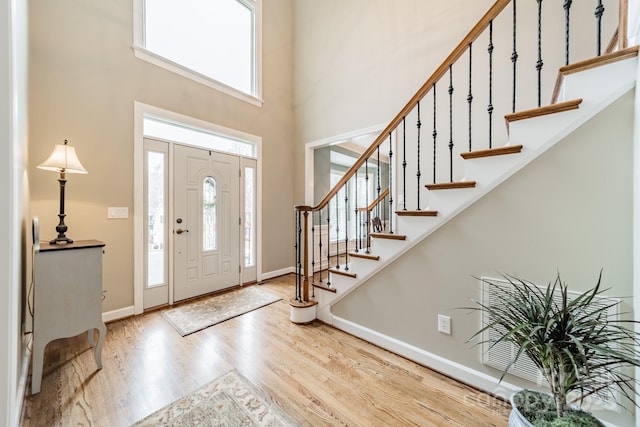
<point x="502" y="353"/>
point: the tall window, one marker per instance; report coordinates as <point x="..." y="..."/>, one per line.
<point x="209" y="214"/>
<point x="156" y="184"/>
<point x="249" y="216"/>
<point x="214" y="40"/>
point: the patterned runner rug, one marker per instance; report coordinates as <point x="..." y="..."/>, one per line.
<point x="231" y="400"/>
<point x="198" y="315"/>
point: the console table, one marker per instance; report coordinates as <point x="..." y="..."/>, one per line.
<point x="67" y="298"/>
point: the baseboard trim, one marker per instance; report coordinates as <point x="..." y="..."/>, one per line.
<point x="454" y="370"/>
<point x="276" y="273"/>
<point x="118" y="314"/>
<point x="22" y="381"/>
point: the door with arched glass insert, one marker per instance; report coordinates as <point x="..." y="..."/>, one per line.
<point x="206" y="227"/>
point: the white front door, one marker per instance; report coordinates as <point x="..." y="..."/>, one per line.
<point x="206" y="225"/>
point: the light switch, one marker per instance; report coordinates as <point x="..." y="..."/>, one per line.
<point x="117" y="212"/>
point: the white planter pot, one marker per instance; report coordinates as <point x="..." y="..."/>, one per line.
<point x="516" y="419"/>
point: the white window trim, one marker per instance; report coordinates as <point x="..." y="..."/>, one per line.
<point x="140" y="111"/>
<point x="146" y="55"/>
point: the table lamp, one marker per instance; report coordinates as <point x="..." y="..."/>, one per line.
<point x="64" y="160"/>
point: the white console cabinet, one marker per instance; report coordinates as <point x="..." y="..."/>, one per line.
<point x="67" y="298"/>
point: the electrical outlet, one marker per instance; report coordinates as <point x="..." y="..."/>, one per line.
<point x="444" y="324"/>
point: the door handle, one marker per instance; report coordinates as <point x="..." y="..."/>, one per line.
<point x="180" y="231"/>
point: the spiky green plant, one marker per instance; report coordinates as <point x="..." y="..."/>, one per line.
<point x="576" y="345"/>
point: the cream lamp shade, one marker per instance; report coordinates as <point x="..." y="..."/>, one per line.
<point x="63" y="159"/>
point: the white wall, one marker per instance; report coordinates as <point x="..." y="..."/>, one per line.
<point x="13" y="134"/>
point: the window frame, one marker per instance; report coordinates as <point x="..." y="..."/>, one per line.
<point x="146" y="55"/>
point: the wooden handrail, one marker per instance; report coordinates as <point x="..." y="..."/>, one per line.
<point x="373" y="204"/>
<point x="475" y="32"/>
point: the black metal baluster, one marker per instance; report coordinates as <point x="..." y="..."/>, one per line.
<point x="313" y="253"/>
<point x="539" y="63"/>
<point x="490" y="107"/>
<point x="514" y="58"/>
<point x="328" y="243"/>
<point x="346" y="226"/>
<point x="320" y="243"/>
<point x="567" y="10"/>
<point x="435" y="133"/>
<point x="390" y="184"/>
<point x="450" y="123"/>
<point x="378" y="187"/>
<point x="337" y="199"/>
<point x="599" y="12"/>
<point x="418" y="174"/>
<point x="366" y="222"/>
<point x="404" y="163"/>
<point x="470" y="95"/>
<point x="355" y="212"/>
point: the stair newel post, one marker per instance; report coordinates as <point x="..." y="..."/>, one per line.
<point x="490" y="106"/>
<point x="470" y="94"/>
<point x="450" y="123"/>
<point x="567" y="12"/>
<point x="404" y="163"/>
<point x="390" y="184"/>
<point x="598" y="13"/>
<point x="539" y="63"/>
<point x="418" y="174"/>
<point x="514" y="57"/>
<point x="623" y="24"/>
<point x="346" y="226"/>
<point x="305" y="255"/>
<point x="434" y="134"/>
<point x="298" y="258"/>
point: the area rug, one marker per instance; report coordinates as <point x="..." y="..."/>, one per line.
<point x="193" y="317"/>
<point x="231" y="400"/>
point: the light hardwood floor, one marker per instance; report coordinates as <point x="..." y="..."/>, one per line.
<point x="318" y="375"/>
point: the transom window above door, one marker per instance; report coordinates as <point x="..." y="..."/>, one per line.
<point x="215" y="42"/>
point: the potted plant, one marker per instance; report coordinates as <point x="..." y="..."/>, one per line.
<point x="579" y="349"/>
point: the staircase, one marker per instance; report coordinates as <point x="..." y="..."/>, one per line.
<point x="329" y="269"/>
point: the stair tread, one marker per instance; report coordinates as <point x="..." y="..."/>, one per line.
<point x="498" y="151"/>
<point x="324" y="287"/>
<point x="364" y="256"/>
<point x="417" y="213"/>
<point x="342" y="272"/>
<point x="451" y="185"/>
<point x="389" y="236"/>
<point x="590" y="63"/>
<point x="543" y="111"/>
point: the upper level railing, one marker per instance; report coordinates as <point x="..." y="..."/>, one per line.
<point x="507" y="62"/>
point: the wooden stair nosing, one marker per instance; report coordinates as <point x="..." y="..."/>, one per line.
<point x="417" y="213"/>
<point x="451" y="185"/>
<point x="324" y="287"/>
<point x="590" y="63"/>
<point x="573" y="104"/>
<point x="499" y="151"/>
<point x="364" y="256"/>
<point x="342" y="273"/>
<point x="389" y="236"/>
